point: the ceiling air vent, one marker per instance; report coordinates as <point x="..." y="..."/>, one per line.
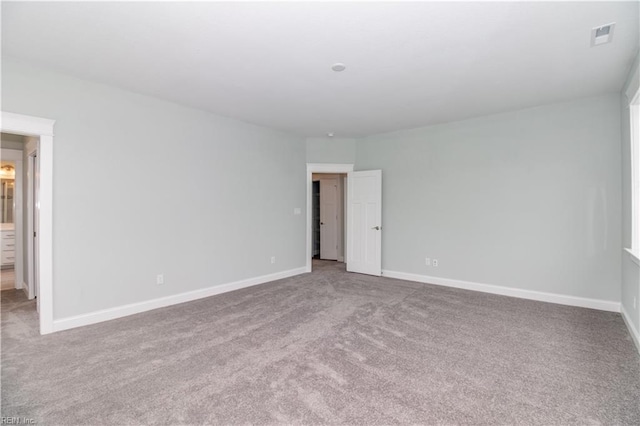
<point x="602" y="35"/>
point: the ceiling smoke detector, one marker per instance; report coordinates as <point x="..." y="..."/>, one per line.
<point x="603" y="34"/>
<point x="338" y="67"/>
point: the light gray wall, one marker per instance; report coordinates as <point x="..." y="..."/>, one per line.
<point x="331" y="150"/>
<point x="527" y="199"/>
<point x="630" y="270"/>
<point x="123" y="161"/>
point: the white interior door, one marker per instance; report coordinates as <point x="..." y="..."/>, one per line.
<point x="32" y="226"/>
<point x="329" y="219"/>
<point x="36" y="230"/>
<point x="364" y="222"/>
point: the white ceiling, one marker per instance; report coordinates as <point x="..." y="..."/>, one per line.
<point x="408" y="64"/>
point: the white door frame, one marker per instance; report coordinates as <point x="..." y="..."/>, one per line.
<point x="311" y="169"/>
<point x="43" y="129"/>
<point x="17" y="157"/>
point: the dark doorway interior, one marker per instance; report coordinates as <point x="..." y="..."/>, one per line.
<point x="315" y="249"/>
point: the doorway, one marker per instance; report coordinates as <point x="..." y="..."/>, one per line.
<point x="40" y="132"/>
<point x="328" y="216"/>
<point x="19" y="215"/>
<point x="11" y="219"/>
<point x="363" y="224"/>
<point x="330" y="171"/>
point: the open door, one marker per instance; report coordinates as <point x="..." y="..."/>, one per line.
<point x="33" y="210"/>
<point x="364" y="218"/>
<point x="36" y="231"/>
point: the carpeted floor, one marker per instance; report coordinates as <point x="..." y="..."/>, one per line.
<point x="327" y="347"/>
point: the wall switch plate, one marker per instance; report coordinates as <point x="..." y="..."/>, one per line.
<point x="427" y="261"/>
<point x="160" y="279"/>
<point x="273" y="259"/>
<point x="297" y="211"/>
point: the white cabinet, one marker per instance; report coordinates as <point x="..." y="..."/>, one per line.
<point x="8" y="247"/>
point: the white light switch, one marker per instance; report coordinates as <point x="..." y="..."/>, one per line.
<point x="297" y="210"/>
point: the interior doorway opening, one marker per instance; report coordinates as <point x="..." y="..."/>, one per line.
<point x="39" y="132"/>
<point x="11" y="206"/>
<point x="363" y="224"/>
<point x="322" y="170"/>
<point x="19" y="204"/>
<point x="329" y="216"/>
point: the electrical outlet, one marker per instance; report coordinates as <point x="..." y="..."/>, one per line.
<point x="427" y="261"/>
<point x="434" y="262"/>
<point x="160" y="279"/>
<point x="273" y="259"/>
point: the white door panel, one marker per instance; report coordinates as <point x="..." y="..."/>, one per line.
<point x="364" y="218"/>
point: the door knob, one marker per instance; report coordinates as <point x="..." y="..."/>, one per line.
<point x="377" y="228"/>
<point x="321" y="223"/>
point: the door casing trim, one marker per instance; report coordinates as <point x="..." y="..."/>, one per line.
<point x="42" y="128"/>
<point x="311" y="169"/>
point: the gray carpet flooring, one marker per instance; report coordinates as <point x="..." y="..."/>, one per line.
<point x="328" y="347"/>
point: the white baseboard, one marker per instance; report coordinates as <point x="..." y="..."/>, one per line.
<point x="635" y="335"/>
<point x="25" y="288"/>
<point x="136" y="308"/>
<point x="602" y="305"/>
